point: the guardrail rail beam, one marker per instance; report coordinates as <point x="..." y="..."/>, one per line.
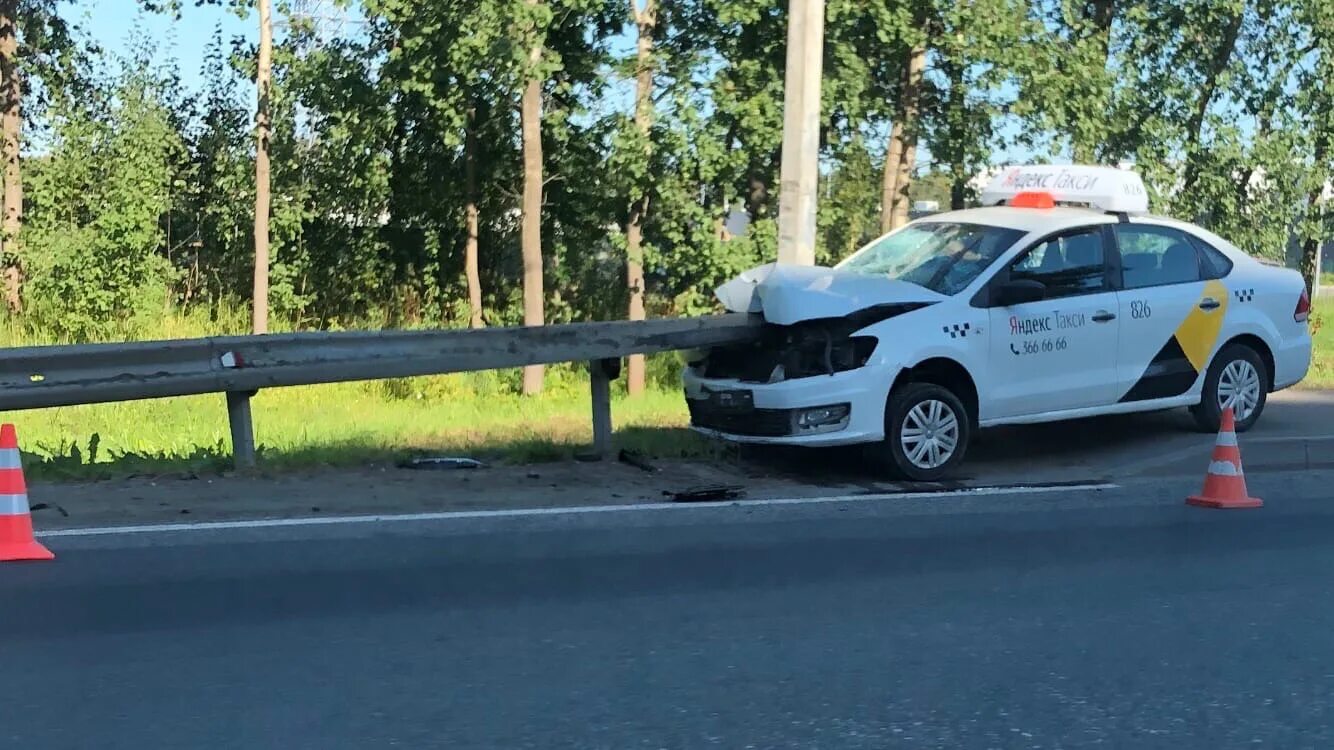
<point x="239" y="366"/>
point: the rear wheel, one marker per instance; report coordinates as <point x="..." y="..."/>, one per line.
<point x="927" y="430"/>
<point x="1238" y="378"/>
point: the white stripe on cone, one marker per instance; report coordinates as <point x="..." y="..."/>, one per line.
<point x="1224" y="468"/>
<point x="1228" y="439"/>
<point x="13" y="505"/>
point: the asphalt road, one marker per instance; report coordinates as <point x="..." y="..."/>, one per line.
<point x="1111" y="619"/>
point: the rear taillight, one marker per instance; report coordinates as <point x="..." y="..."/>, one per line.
<point x="1303" y="310"/>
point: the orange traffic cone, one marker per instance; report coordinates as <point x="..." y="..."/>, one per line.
<point x="16" y="539"/>
<point x="1225" y="485"/>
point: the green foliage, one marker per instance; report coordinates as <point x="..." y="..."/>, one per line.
<point x="851" y="216"/>
<point x="140" y="195"/>
<point x="92" y="241"/>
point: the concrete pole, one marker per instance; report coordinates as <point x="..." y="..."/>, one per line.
<point x="798" y="192"/>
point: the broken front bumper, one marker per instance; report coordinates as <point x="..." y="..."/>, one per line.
<point x="839" y="409"/>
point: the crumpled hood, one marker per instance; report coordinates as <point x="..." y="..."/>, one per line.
<point x="790" y="294"/>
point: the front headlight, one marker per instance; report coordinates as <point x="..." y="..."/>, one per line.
<point x="828" y="356"/>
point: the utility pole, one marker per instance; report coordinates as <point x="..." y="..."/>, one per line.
<point x="263" y="86"/>
<point x="800" y="174"/>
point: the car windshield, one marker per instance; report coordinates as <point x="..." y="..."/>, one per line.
<point x="944" y="257"/>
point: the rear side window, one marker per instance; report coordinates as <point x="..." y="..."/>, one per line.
<point x="1155" y="256"/>
<point x="1213" y="262"/>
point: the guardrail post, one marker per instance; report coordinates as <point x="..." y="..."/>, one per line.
<point x="243" y="429"/>
<point x="601" y="373"/>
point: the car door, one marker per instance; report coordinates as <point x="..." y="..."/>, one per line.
<point x="1171" y="312"/>
<point x="1059" y="352"/>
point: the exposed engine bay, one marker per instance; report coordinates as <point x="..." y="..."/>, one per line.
<point x="810" y="348"/>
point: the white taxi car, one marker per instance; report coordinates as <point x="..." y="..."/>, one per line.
<point x="1061" y="298"/>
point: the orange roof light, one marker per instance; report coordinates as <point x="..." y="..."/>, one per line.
<point x="1033" y="199"/>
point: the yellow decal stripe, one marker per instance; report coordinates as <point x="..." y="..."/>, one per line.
<point x="1198" y="333"/>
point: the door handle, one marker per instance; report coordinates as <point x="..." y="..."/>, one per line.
<point x="1102" y="316"/>
<point x="1209" y="303"/>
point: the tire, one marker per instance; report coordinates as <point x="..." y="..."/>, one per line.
<point x="903" y="412"/>
<point x="1234" y="361"/>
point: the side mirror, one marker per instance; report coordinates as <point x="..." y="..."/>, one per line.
<point x="1018" y="292"/>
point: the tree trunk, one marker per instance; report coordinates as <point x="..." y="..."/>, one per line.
<point x="470" y="269"/>
<point x="912" y="97"/>
<point x="889" y="178"/>
<point x="1309" y="263"/>
<point x="531" y="231"/>
<point x="757" y="194"/>
<point x="645" y="19"/>
<point x="263" y="86"/>
<point x="959" y="191"/>
<point x="1217" y="65"/>
<point x="902" y="152"/>
<point x="956" y="117"/>
<point x="12" y="123"/>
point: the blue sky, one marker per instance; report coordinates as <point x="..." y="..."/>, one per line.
<point x="112" y="22"/>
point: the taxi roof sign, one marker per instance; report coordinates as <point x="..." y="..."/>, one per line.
<point x="1104" y="188"/>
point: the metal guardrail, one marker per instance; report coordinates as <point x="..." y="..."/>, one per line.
<point x="240" y="366"/>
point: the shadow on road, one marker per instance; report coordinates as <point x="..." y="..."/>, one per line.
<point x="1096" y="448"/>
<point x="1000" y="451"/>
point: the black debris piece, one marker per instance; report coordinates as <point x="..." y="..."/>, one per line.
<point x="710" y="493"/>
<point x="637" y="461"/>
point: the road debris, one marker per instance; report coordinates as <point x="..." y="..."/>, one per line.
<point x="637" y="460"/>
<point x="444" y="463"/>
<point x="705" y="494"/>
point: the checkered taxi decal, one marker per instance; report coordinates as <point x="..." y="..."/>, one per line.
<point x="958" y="330"/>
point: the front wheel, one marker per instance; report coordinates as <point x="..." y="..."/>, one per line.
<point x="927" y="431"/>
<point x="1238" y="378"/>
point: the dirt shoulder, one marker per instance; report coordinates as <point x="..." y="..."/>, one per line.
<point x="396" y="490"/>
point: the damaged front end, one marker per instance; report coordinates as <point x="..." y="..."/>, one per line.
<point x="799" y="350"/>
<point x="719" y="400"/>
<point x="816" y="326"/>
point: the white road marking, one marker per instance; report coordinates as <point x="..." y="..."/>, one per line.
<point x="573" y="510"/>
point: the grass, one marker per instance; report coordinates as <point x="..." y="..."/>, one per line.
<point x="345" y="425"/>
<point x="1322" y="365"/>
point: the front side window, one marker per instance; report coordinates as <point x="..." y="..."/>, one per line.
<point x="944" y="257"/>
<point x="1067" y="265"/>
<point x="1155" y="256"/>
